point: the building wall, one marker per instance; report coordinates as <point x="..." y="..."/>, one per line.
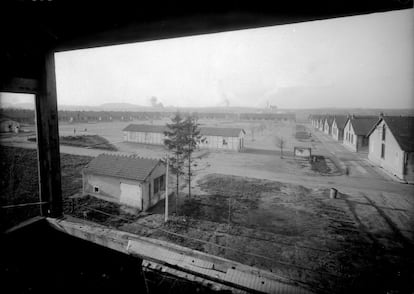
<point x="110" y="189"/>
<point x="337" y="134"/>
<point x="409" y="167"/>
<point x="212" y="142"/>
<point x="327" y="128"/>
<point x="144" y="138"/>
<point x="350" y="138"/>
<point x="154" y="197"/>
<point x="9" y="126"/>
<point x="223" y="143"/>
<point x="393" y="160"/>
<point x="321" y="125"/>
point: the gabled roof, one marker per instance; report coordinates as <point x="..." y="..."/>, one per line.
<point x="5" y="118"/>
<point x="329" y="120"/>
<point x="145" y="128"/>
<point x="223" y="132"/>
<point x="122" y="166"/>
<point x="402" y="128"/>
<point x="362" y="124"/>
<point x="205" y="131"/>
<point x="340" y="121"/>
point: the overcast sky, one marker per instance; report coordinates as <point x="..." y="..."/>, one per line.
<point x="359" y="61"/>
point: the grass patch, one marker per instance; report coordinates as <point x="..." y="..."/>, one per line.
<point x="319" y="165"/>
<point x="88" y="141"/>
<point x="100" y="211"/>
<point x="19" y="182"/>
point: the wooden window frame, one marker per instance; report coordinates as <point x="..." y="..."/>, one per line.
<point x="47" y="132"/>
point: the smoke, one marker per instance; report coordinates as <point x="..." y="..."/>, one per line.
<point x="155" y="103"/>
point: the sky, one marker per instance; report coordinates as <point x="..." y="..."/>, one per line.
<point x="359" y="61"/>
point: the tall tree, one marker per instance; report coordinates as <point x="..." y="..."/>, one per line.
<point x="175" y="141"/>
<point x="192" y="139"/>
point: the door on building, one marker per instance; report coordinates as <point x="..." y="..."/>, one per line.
<point x="131" y="195"/>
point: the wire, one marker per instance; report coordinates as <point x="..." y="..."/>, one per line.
<point x="24" y="204"/>
<point x="217" y="245"/>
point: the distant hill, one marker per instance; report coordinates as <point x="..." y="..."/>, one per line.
<point x="18" y="105"/>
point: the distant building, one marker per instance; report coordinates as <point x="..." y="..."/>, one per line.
<point x="391" y="146"/>
<point x="327" y="128"/>
<point x="128" y="180"/>
<point x="338" y="126"/>
<point x="214" y="138"/>
<point x="9" y="126"/>
<point x="313" y="118"/>
<point x="316" y="121"/>
<point x="279" y="116"/>
<point x="321" y="122"/>
<point x="356" y="131"/>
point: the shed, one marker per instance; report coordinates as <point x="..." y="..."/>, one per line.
<point x="9" y="126"/>
<point x="327" y="129"/>
<point x="338" y="126"/>
<point x="214" y="138"/>
<point x="129" y="180"/>
<point x="391" y="146"/>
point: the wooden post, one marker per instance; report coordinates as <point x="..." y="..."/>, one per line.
<point x="48" y="140"/>
<point x="166" y="193"/>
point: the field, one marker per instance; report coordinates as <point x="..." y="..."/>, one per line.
<point x="87" y="141"/>
<point x="294" y="231"/>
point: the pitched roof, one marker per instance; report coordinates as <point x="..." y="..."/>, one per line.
<point x="205" y="131"/>
<point x="340" y="121"/>
<point x="4" y="118"/>
<point x="329" y="119"/>
<point x="363" y="124"/>
<point x="126" y="167"/>
<point x="145" y="128"/>
<point x="402" y="128"/>
<point x="224" y="132"/>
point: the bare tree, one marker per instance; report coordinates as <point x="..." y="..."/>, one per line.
<point x="280" y="142"/>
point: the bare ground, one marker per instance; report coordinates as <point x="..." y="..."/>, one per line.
<point x="332" y="245"/>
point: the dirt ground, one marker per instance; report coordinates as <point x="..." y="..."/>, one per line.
<point x="352" y="242"/>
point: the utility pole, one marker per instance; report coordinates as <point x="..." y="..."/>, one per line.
<point x="166" y="193"/>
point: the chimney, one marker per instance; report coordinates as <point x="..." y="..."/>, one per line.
<point x="381" y="114"/>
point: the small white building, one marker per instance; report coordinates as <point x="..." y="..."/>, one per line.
<point x="128" y="180"/>
<point x="338" y="126"/>
<point x="9" y="126"/>
<point x="314" y="118"/>
<point x="391" y="146"/>
<point x="321" y="123"/>
<point x="214" y="138"/>
<point x="327" y="128"/>
<point x="356" y="131"/>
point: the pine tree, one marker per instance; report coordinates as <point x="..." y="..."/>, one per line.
<point x="175" y="141"/>
<point x="192" y="139"/>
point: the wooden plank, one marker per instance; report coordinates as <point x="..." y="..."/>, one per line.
<point x="48" y="140"/>
<point x="20" y="85"/>
<point x="167" y="256"/>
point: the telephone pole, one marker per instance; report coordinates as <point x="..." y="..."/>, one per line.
<point x="166" y="193"/>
